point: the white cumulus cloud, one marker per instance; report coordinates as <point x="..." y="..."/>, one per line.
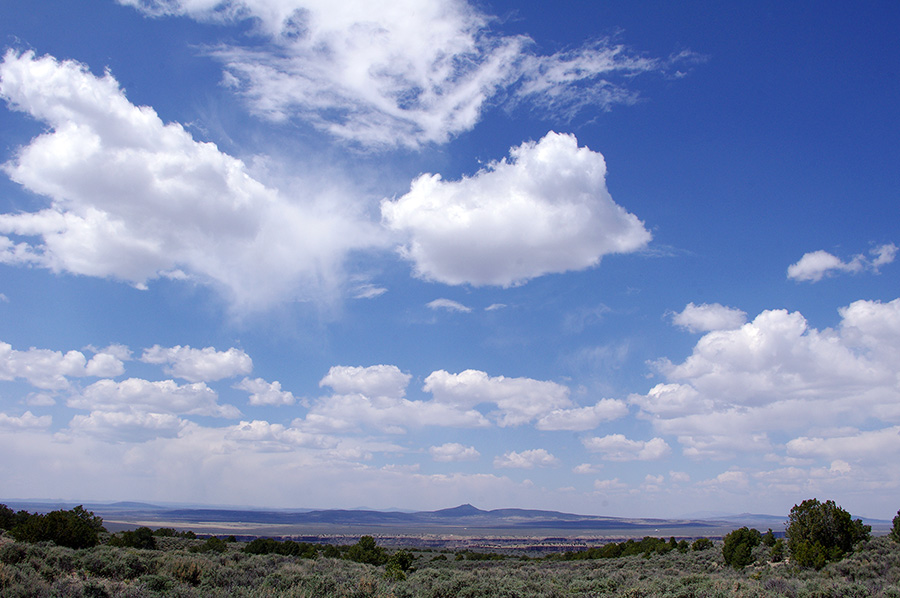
<point x="707" y="317"/>
<point x="142" y="396"/>
<point x="49" y="370"/>
<point x="374" y="397"/>
<point x="517" y="400"/>
<point x="346" y="413"/>
<point x="867" y="445"/>
<point x="26" y="421"/>
<point x="544" y="210"/>
<point x="526" y="459"/>
<point x="583" y="418"/>
<point x="265" y="393"/>
<point x="816" y="265"/>
<point x="133" y="198"/>
<point x="777" y="375"/>
<point x="199" y="365"/>
<point x="133" y="426"/>
<point x="616" y="447"/>
<point x="454" y="451"/>
<point x="375" y="380"/>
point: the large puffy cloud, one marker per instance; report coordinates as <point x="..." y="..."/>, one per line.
<point x="616" y="447"/>
<point x="518" y="400"/>
<point x="134" y="199"/>
<point x="772" y="358"/>
<point x="399" y="73"/>
<point x="741" y="390"/>
<point x="873" y="328"/>
<point x="374" y="396"/>
<point x="544" y="210"/>
<point x="816" y="265"/>
<point x="199" y="365"/>
<point x="49" y="370"/>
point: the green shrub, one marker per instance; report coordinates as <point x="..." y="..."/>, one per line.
<point x="403" y="559"/>
<point x="141" y="538"/>
<point x="7" y="517"/>
<point x="12" y="553"/>
<point x="94" y="589"/>
<point x="777" y="554"/>
<point x="821" y="532"/>
<point x="212" y="544"/>
<point x="156" y="583"/>
<point x="367" y="551"/>
<point x="702" y="544"/>
<point x="738" y="547"/>
<point x="393" y="572"/>
<point x="186" y="570"/>
<point x="75" y="528"/>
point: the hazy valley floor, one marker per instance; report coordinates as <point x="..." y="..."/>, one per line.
<point x="47" y="570"/>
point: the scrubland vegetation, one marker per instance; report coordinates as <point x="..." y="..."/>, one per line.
<point x="146" y="563"/>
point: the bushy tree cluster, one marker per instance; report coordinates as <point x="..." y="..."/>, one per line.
<point x="819" y="532"/>
<point x="7" y="517"/>
<point x="738" y="547"/>
<point x="398" y="565"/>
<point x="75" y="528"/>
<point x="367" y="551"/>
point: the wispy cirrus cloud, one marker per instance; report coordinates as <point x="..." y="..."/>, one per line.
<point x="403" y="73"/>
<point x="449" y="305"/>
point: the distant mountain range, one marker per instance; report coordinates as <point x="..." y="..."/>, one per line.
<point x="463" y="517"/>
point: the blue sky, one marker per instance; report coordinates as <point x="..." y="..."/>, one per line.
<point x="613" y="258"/>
